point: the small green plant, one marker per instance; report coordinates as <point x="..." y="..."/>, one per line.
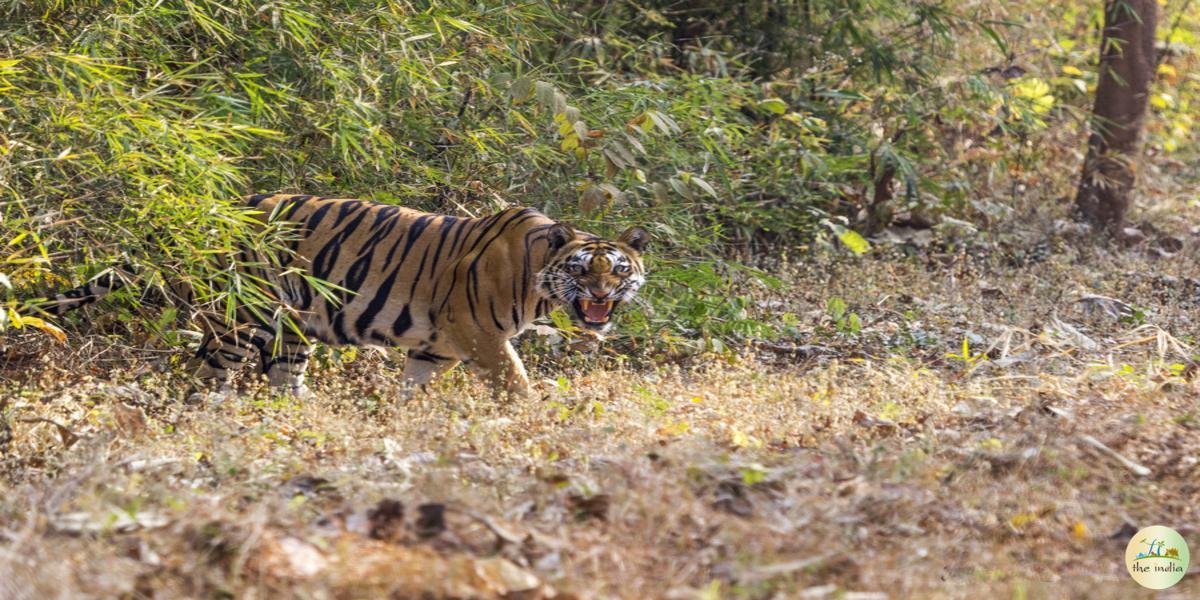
<point x="844" y="321"/>
<point x="966" y="358"/>
<point x="563" y="384"/>
<point x="753" y="473"/>
<point x="653" y="404"/>
<point x="1136" y="317"/>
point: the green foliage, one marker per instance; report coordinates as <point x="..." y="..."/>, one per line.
<point x="131" y="126"/>
<point x="844" y="321"/>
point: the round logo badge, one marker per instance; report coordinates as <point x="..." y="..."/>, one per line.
<point x="1157" y="557"/>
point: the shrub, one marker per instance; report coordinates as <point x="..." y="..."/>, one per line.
<point x="132" y="126"/>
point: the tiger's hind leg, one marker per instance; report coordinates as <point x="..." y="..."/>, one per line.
<point x="223" y="353"/>
<point x="285" y="363"/>
<point x="421" y="367"/>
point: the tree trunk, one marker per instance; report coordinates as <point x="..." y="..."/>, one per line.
<point x="1127" y="65"/>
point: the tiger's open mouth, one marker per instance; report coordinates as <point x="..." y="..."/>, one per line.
<point x="594" y="314"/>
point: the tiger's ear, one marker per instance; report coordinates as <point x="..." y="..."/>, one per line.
<point x="636" y="238"/>
<point x="559" y="235"/>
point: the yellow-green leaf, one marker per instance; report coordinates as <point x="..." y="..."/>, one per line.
<point x="37" y="323"/>
<point x="774" y="105"/>
<point x="855" y="242"/>
<point x="1037" y="92"/>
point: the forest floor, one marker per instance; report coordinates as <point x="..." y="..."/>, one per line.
<point x="887" y="462"/>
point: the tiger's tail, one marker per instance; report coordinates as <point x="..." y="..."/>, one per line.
<point x="96" y="288"/>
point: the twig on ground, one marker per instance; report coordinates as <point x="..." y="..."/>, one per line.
<point x="68" y="437"/>
<point x="1096" y="444"/>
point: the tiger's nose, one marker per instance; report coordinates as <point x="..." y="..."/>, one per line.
<point x="599" y="294"/>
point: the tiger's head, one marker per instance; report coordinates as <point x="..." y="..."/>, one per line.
<point x="592" y="275"/>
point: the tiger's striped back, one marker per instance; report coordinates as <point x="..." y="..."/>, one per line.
<point x="404" y="270"/>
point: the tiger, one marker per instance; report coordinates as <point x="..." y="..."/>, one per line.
<point x="444" y="289"/>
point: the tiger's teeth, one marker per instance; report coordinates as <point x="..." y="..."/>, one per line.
<point x="596" y="312"/>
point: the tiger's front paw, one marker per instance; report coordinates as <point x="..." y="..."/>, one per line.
<point x="408" y="390"/>
<point x="202" y="397"/>
<point x="299" y="392"/>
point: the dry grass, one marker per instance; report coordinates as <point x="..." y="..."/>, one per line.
<point x="874" y="464"/>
